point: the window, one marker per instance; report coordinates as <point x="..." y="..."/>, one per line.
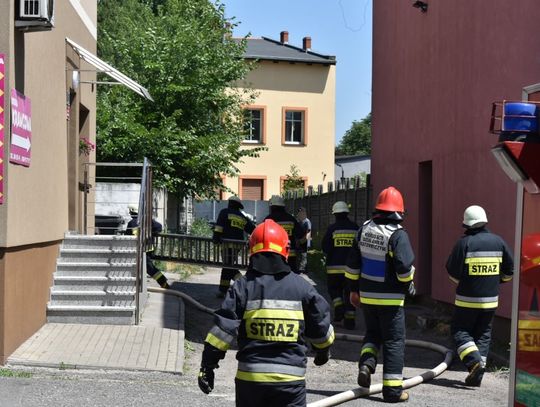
<point x="294" y="126"/>
<point x="252" y="187"/>
<point x="254" y="125"/>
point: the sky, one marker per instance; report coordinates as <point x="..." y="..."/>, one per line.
<point x="336" y="27"/>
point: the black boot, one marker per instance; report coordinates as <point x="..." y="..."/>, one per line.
<point x="364" y="376"/>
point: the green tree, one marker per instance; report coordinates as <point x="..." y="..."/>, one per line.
<point x="183" y="53"/>
<point x="293" y="181"/>
<point x="357" y="140"/>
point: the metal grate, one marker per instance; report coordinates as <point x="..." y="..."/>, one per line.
<point x="31" y="8"/>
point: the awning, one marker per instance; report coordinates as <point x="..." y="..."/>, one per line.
<point x="104" y="67"/>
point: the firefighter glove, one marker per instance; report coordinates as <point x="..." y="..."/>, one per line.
<point x="321" y="357"/>
<point x="206" y="379"/>
<point x="411" y="292"/>
<point x="354" y="298"/>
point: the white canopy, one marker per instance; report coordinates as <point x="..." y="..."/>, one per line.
<point x="104" y="67"/>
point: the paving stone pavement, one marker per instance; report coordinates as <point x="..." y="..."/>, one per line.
<point x="156" y="344"/>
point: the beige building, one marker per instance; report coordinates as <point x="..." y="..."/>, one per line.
<point x="293" y="116"/>
<point x="47" y="51"/>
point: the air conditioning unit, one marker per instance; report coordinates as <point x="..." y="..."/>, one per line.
<point x="34" y="15"/>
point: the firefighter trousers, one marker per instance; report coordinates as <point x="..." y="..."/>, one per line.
<point x="385" y="326"/>
<point x="471" y="331"/>
<point x="230" y="256"/>
<point x="256" y="394"/>
<point x="339" y="293"/>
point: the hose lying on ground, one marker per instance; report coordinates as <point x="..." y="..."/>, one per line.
<point x="359" y="391"/>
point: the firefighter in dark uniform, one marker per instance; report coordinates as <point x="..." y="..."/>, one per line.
<point x="132" y="229"/>
<point x="380" y="272"/>
<point x="479" y="262"/>
<point x="231" y="223"/>
<point x="296" y="233"/>
<point x="336" y="245"/>
<point x="274" y="314"/>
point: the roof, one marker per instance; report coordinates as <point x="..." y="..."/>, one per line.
<point x="271" y="50"/>
<point x="351" y="158"/>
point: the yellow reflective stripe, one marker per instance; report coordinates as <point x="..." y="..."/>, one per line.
<point x="274" y="314"/>
<point x="257" y="247"/>
<point x="325" y="344"/>
<point x="405" y="279"/>
<point x="369" y="350"/>
<point x="275" y="247"/>
<point x="352" y="276"/>
<point x="455" y="280"/>
<point x="392" y="382"/>
<point x="480" y="305"/>
<point x="470" y="349"/>
<point x="335" y="271"/>
<point x="218" y="228"/>
<point x="506" y="278"/>
<point x="529" y="324"/>
<point x="157" y="276"/>
<point x="216" y="342"/>
<point x="382" y="301"/>
<point x="267" y="377"/>
<point x="224" y="283"/>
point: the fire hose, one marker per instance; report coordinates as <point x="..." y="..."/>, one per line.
<point x="359" y="391"/>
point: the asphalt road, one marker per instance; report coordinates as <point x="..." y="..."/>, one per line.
<point x="53" y="387"/>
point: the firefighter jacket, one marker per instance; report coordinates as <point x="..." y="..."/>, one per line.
<point x="479" y="261"/>
<point x="291" y="226"/>
<point x="380" y="265"/>
<point x="231" y="224"/>
<point x="274" y="314"/>
<point x="337" y="243"/>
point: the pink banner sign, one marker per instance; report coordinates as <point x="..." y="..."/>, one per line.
<point x="2" y="90"/>
<point x="21" y="129"/>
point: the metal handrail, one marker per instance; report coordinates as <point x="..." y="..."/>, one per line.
<point x="201" y="250"/>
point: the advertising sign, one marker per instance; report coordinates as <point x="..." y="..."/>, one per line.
<point x="2" y="121"/>
<point x="21" y="129"/>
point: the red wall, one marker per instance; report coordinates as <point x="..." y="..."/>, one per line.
<point x="435" y="76"/>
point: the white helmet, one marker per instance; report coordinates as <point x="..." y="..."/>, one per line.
<point x="276" y="200"/>
<point x="133" y="209"/>
<point x="340" y="207"/>
<point x="474" y="217"/>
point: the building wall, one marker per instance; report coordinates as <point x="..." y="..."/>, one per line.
<point x="435" y="76"/>
<point x="298" y="86"/>
<point x="34" y="216"/>
<point x="352" y="168"/>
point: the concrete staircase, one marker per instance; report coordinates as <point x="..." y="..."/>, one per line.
<point x="94" y="282"/>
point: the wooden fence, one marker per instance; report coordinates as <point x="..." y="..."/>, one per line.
<point x="318" y="204"/>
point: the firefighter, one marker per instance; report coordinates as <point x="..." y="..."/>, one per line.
<point x="231" y="223"/>
<point x="274" y="314"/>
<point x="380" y="272"/>
<point x="294" y="230"/>
<point x="479" y="261"/>
<point x="133" y="229"/>
<point x="336" y="245"/>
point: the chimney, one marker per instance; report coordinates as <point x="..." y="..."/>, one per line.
<point x="306" y="43"/>
<point x="284" y="37"/>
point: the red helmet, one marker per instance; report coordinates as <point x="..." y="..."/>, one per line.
<point x="390" y="200"/>
<point x="269" y="237"/>
<point x="530" y="260"/>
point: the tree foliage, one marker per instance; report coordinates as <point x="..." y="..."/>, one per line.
<point x="293" y="181"/>
<point x="182" y="52"/>
<point x="357" y="140"/>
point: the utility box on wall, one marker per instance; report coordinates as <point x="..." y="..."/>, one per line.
<point x="34" y="15"/>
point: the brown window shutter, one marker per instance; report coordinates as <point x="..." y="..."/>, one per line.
<point x="252" y="189"/>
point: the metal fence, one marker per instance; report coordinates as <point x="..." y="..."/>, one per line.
<point x="318" y="204"/>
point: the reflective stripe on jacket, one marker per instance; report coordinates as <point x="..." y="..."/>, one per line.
<point x="479" y="262"/>
<point x="274" y="317"/>
<point x="380" y="264"/>
<point x="337" y="242"/>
